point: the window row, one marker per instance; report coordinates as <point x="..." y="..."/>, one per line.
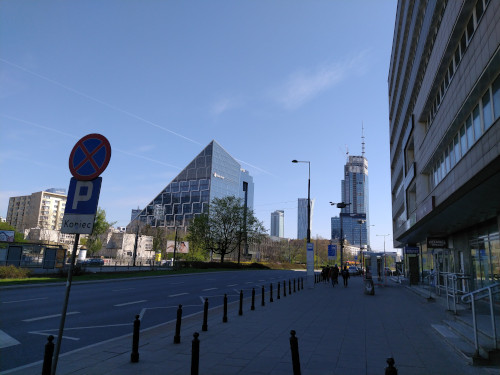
<point x="187" y="186"/>
<point x="457" y="56"/>
<point x="476" y="124"/>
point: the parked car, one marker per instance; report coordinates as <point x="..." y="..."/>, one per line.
<point x="353" y="271"/>
<point x="93" y="262"/>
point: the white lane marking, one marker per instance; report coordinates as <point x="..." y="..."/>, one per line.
<point x="49" y="316"/>
<point x="177" y="295"/>
<point x="202" y="299"/>
<point x="45" y="334"/>
<point x="130" y="303"/>
<point x="26" y="300"/>
<point x="6" y="340"/>
<point x="231" y="285"/>
<point x="206" y="290"/>
<point x="249" y="282"/>
<point x="262" y="280"/>
<point x="121" y="290"/>
<point x="180" y="282"/>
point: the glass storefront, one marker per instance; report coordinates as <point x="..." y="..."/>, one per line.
<point x="485" y="257"/>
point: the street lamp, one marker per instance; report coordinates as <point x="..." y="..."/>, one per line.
<point x="341" y="205"/>
<point x="310" y="267"/>
<point x="361" y="222"/>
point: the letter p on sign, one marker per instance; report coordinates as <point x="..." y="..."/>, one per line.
<point x="83" y="193"/>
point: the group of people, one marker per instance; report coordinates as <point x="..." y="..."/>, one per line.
<point x="332" y="273"/>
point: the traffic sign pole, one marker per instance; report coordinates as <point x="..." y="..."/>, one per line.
<point x="65" y="305"/>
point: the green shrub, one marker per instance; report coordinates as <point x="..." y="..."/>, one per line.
<point x="13" y="272"/>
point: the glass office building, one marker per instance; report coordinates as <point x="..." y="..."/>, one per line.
<point x="212" y="174"/>
<point x="354" y="188"/>
<point x="278" y="223"/>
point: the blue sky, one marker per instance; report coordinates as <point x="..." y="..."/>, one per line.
<point x="271" y="81"/>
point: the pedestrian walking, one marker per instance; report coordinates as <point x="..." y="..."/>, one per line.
<point x="345" y="276"/>
<point x="335" y="275"/>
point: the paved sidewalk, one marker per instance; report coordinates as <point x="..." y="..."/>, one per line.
<point x="340" y="331"/>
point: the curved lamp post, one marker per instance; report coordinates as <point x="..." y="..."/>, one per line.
<point x="341" y="205"/>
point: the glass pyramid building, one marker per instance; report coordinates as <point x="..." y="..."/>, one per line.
<point x="212" y="174"/>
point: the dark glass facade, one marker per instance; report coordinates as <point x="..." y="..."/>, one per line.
<point x="212" y="174"/>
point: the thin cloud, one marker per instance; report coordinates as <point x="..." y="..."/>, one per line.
<point x="224" y="104"/>
<point x="303" y="86"/>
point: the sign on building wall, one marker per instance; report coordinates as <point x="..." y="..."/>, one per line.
<point x="7" y="235"/>
<point x="437" y="243"/>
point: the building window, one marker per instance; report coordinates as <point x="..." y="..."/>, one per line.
<point x="476" y="120"/>
<point x="496" y="97"/>
<point x="470" y="132"/>
<point x="487" y="110"/>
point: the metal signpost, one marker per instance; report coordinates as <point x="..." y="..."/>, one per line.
<point x="88" y="159"/>
<point x="310" y="265"/>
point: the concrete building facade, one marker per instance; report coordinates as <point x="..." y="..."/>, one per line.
<point x="444" y="111"/>
<point x="39" y="210"/>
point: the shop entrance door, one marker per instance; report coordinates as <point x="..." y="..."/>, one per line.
<point x="414" y="270"/>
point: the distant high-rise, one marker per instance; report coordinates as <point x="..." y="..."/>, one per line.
<point x="302" y="218"/>
<point x="278" y="223"/>
<point x="355" y="219"/>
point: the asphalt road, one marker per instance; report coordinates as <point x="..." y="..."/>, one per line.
<point x="99" y="311"/>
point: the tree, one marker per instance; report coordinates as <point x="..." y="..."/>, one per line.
<point x="93" y="242"/>
<point x="222" y="229"/>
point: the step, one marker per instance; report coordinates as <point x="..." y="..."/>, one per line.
<point x="466" y="333"/>
<point x="461" y="346"/>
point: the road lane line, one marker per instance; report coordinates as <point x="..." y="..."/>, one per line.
<point x="50" y="316"/>
<point x="26" y="300"/>
<point x="206" y="290"/>
<point x="6" y="340"/>
<point x="177" y="295"/>
<point x="231" y="285"/>
<point x="64" y="337"/>
<point x="249" y="282"/>
<point x="121" y="290"/>
<point x="130" y="303"/>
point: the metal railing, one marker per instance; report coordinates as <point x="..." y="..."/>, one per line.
<point x="486" y="292"/>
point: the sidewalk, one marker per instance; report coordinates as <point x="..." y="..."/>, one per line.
<point x="339" y="330"/>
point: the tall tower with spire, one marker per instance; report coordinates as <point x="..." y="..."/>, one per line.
<point x="354" y="188"/>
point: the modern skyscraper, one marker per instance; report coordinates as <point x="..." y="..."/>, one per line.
<point x="444" y="127"/>
<point x="354" y="190"/>
<point x="212" y="174"/>
<point x="302" y="218"/>
<point x="278" y="223"/>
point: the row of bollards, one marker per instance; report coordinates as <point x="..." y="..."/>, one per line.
<point x="134" y="356"/>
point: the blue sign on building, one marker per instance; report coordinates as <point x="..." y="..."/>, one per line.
<point x="332" y="251"/>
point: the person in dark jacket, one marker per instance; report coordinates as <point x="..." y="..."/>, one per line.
<point x="335" y="275"/>
<point x="345" y="275"/>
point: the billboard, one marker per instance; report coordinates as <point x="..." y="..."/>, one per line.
<point x="7" y="235"/>
<point x="182" y="247"/>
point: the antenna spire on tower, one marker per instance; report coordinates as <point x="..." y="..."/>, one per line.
<point x="362" y="139"/>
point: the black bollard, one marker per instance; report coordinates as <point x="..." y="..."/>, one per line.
<point x="134" y="357"/>
<point x="240" y="312"/>
<point x="263" y="292"/>
<point x="279" y="287"/>
<point x="391" y="370"/>
<point x="195" y="354"/>
<point x="289" y="286"/>
<point x="224" y="318"/>
<point x="271" y="293"/>
<point x="294" y="282"/>
<point x="204" y="327"/>
<point x="284" y="288"/>
<point x="302" y="282"/>
<point x="253" y="299"/>
<point x="294" y="346"/>
<point x="177" y="337"/>
<point x="47" y="357"/>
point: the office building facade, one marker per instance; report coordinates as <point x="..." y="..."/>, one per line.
<point x="354" y="218"/>
<point x="212" y="174"/>
<point x="444" y="111"/>
<point x="302" y="218"/>
<point x="278" y="223"/>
